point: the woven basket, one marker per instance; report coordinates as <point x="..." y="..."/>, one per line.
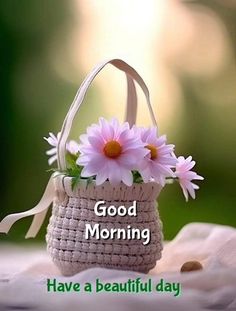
<point x="67" y="245"/>
<point x="72" y="253"/>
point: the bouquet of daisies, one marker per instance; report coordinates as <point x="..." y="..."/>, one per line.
<point x="114" y="152"/>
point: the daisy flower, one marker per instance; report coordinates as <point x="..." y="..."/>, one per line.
<point x="110" y="151"/>
<point x="71" y="147"/>
<point x="185" y="176"/>
<point x="158" y="163"/>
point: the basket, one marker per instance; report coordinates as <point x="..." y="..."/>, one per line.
<point x="72" y="253"/>
<point x="72" y="209"/>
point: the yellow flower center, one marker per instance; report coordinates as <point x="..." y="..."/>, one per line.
<point x="153" y="151"/>
<point x="112" y="149"/>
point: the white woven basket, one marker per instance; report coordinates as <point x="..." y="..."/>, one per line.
<point x="66" y="243"/>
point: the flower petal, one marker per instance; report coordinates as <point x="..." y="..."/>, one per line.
<point x="146" y="175"/>
<point x="114" y="173"/>
<point x="102" y="176"/>
<point x="127" y="161"/>
<point x="83" y="160"/>
<point x="96" y="142"/>
<point x="52" y="159"/>
<point x="51" y="151"/>
<point x="185" y="192"/>
<point x="72" y="146"/>
<point x="127" y="177"/>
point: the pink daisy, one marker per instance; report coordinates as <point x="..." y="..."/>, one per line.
<point x="71" y="147"/>
<point x="110" y="151"/>
<point x="157" y="164"/>
<point x="185" y="176"/>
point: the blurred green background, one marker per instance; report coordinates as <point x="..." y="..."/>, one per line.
<point x="35" y="98"/>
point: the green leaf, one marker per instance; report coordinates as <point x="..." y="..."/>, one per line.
<point x="137" y="178"/>
<point x="52" y="170"/>
<point x="71" y="160"/>
<point x="75" y="181"/>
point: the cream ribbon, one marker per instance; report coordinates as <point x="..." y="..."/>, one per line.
<point x="40" y="210"/>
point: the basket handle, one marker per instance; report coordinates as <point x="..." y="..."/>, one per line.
<point x="131" y="101"/>
<point x="131" y="74"/>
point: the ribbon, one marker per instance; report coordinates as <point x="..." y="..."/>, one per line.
<point x="39" y="211"/>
